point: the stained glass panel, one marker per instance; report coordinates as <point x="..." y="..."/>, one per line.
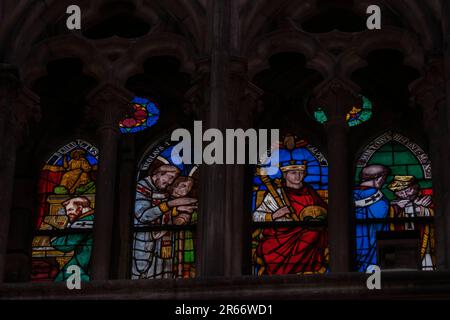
<point x="289" y="210"/>
<point x="144" y="114"/>
<point x="320" y="115"/>
<point x="66" y="195"/>
<point x="356" y="116"/>
<point x="359" y="114"/>
<point x="393" y="193"/>
<point x="165" y="216"/>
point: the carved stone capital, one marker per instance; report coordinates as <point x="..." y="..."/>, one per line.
<point x="107" y="105"/>
<point x="9" y="76"/>
<point x="196" y="98"/>
<point x="9" y="86"/>
<point x="429" y="93"/>
<point x="336" y="96"/>
<point x="26" y="112"/>
<point x="243" y="97"/>
<point x="248" y="105"/>
<point x="19" y="106"/>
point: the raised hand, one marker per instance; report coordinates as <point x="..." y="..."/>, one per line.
<point x="181" y="202"/>
<point x="182" y="219"/>
<point x="424" y="201"/>
<point x="187" y="209"/>
<point x="280" y="213"/>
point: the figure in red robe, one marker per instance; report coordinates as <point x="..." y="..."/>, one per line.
<point x="297" y="249"/>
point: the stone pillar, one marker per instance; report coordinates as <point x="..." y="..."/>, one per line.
<point x="429" y="93"/>
<point x="446" y="150"/>
<point x="224" y="220"/>
<point x="8" y="92"/>
<point x="243" y="99"/>
<point x="127" y="186"/>
<point x="17" y="107"/>
<point x="214" y="219"/>
<point x="107" y="105"/>
<point x="337" y="97"/>
<point x="18" y="264"/>
<point x="222" y="214"/>
<point x="9" y="86"/>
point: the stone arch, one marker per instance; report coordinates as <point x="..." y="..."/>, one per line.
<point x="285" y="41"/>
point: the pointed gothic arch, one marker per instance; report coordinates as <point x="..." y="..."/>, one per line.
<point x="393" y="199"/>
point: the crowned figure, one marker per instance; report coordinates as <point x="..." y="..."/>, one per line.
<point x="294" y="249"/>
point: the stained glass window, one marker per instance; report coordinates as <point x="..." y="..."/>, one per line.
<point x="393" y="196"/>
<point x="356" y="116"/>
<point x="359" y="114"/>
<point x="143" y="114"/>
<point x="165" y="216"/>
<point x="289" y="211"/>
<point x="320" y="115"/>
<point x="66" y="195"/>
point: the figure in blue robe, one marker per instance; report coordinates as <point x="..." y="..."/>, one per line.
<point x="370" y="203"/>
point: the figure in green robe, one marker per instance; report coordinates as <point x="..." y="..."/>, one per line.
<point x="81" y="216"/>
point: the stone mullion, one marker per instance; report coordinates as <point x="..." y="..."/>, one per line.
<point x="337" y="97"/>
<point x="213" y="216"/>
<point x="446" y="137"/>
<point x="222" y="204"/>
<point x="17" y="106"/>
<point x="108" y="105"/>
<point x="127" y="185"/>
<point x="429" y="94"/>
<point x="339" y="195"/>
<point x="7" y="170"/>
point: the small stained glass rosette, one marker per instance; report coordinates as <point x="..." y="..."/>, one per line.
<point x="356" y="116"/>
<point x="143" y="114"/>
<point x="360" y="114"/>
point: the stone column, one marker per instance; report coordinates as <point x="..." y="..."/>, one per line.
<point x="214" y="219"/>
<point x="107" y="105"/>
<point x="9" y="87"/>
<point x="8" y="92"/>
<point x="429" y="93"/>
<point x="18" y="263"/>
<point x="222" y="214"/>
<point x="244" y="99"/>
<point x="17" y="107"/>
<point x="446" y="151"/>
<point x="127" y="186"/>
<point x="337" y="97"/>
<point x="224" y="220"/>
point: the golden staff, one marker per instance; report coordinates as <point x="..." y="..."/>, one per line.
<point x="280" y="202"/>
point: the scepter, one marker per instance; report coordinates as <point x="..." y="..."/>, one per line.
<point x="280" y="202"/>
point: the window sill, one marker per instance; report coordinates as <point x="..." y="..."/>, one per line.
<point x="394" y="284"/>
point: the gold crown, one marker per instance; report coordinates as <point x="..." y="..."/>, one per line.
<point x="293" y="166"/>
<point x="400" y="183"/>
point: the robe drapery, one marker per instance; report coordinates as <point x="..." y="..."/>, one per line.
<point x="76" y="174"/>
<point x="368" y="206"/>
<point x="295" y="250"/>
<point x="408" y="209"/>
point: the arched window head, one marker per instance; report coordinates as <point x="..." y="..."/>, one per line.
<point x="356" y="115"/>
<point x="143" y="114"/>
<point x="393" y="206"/>
<point x="289" y="210"/>
<point x="165" y="216"/>
<point x="66" y="195"/>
